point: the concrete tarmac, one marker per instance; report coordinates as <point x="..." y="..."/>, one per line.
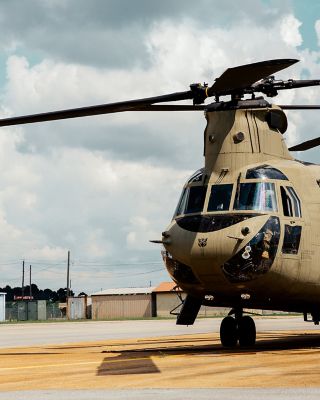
<point x="29" y="334"/>
<point x="167" y="394"/>
<point x="170" y="366"/>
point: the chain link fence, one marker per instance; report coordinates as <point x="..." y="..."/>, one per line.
<point x="32" y="310"/>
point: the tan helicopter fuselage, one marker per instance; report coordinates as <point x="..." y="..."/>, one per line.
<point x="255" y="240"/>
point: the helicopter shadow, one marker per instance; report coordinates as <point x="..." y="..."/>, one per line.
<point x="139" y="360"/>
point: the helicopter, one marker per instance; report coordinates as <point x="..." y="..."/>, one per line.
<point x="245" y="233"/>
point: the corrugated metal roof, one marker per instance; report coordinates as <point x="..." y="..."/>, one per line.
<point x="119" y="291"/>
<point x="166" y="287"/>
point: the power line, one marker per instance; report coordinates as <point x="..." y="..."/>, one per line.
<point x="141" y="273"/>
<point x="116" y="264"/>
<point x="88" y="266"/>
<point x="10" y="263"/>
<point x="101" y="272"/>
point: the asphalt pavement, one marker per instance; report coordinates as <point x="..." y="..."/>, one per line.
<point x="31" y="334"/>
<point x="27" y="335"/>
<point x="167" y="394"/>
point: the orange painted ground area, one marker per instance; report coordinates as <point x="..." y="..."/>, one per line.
<point x="280" y="359"/>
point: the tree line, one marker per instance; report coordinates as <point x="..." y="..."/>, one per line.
<point x="38" y="294"/>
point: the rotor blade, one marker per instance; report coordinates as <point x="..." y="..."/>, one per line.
<point x="130" y="105"/>
<point x="300" y="107"/>
<point x="309" y="144"/>
<point x="245" y="75"/>
<point x="170" y="107"/>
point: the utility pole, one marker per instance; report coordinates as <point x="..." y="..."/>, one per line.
<point x="68" y="273"/>
<point x="22" y="286"/>
<point x="30" y="294"/>
<point x="68" y="284"/>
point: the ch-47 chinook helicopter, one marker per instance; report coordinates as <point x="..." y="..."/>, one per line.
<point x="246" y="231"/>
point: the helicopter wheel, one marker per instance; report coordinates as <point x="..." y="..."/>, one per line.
<point x="246" y="331"/>
<point x="241" y="329"/>
<point x="229" y="332"/>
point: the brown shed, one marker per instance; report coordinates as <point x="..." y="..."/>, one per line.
<point x="167" y="300"/>
<point x="123" y="303"/>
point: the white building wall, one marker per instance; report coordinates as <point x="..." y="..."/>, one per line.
<point x="2" y="307"/>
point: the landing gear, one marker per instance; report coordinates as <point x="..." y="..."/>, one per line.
<point x="241" y="328"/>
<point x="246" y="331"/>
<point x="228" y="332"/>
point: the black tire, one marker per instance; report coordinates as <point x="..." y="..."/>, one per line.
<point x="228" y="332"/>
<point x="247" y="331"/>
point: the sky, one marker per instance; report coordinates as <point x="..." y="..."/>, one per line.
<point x="103" y="186"/>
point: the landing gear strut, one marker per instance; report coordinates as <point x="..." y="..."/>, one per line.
<point x="241" y="328"/>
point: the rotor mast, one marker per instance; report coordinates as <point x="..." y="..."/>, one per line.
<point x="235" y="138"/>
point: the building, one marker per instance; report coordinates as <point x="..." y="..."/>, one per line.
<point x="2" y="307"/>
<point x="77" y="307"/>
<point x="167" y="297"/>
<point x="124" y="303"/>
<point x="144" y="302"/>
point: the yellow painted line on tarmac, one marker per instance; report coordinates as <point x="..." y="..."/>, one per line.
<point x="109" y="361"/>
<point x="47" y="365"/>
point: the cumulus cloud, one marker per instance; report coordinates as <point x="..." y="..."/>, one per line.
<point x="289" y="31"/>
<point x="103" y="186"/>
<point x="111" y="33"/>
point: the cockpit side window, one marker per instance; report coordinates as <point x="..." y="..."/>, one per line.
<point x="258" y="196"/>
<point x="296" y="202"/>
<point x="286" y="203"/>
<point x="197" y="195"/>
<point x="220" y="197"/>
<point x="290" y="202"/>
<point x="182" y="202"/>
<point x="265" y="172"/>
<point x="191" y="200"/>
<point x="291" y="240"/>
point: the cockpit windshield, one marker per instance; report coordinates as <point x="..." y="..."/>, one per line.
<point x="258" y="196"/>
<point x="220" y="197"/>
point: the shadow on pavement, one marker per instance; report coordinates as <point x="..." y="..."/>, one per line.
<point x="266" y="342"/>
<point x="127" y="364"/>
<point x="138" y="360"/>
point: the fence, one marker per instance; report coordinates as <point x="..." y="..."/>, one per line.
<point x="32" y="310"/>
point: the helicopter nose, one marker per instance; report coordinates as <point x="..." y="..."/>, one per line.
<point x="236" y="247"/>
